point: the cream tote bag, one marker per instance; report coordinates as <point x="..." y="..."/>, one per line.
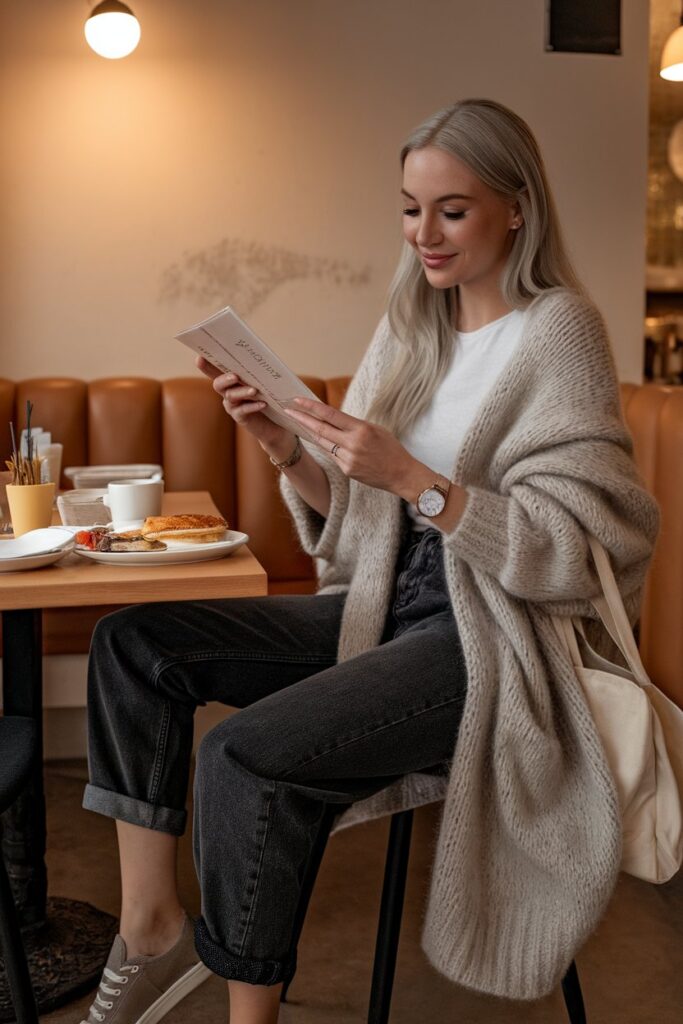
<point x="641" y="731"/>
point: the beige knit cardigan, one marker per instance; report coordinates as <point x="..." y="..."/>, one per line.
<point x="529" y="841"/>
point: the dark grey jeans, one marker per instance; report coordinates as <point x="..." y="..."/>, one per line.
<point x="312" y="732"/>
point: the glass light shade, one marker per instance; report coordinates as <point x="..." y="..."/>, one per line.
<point x="112" y="30"/>
<point x="672" y="57"/>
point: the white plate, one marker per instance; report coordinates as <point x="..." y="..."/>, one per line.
<point x="178" y="553"/>
<point x="35" y="549"/>
<point x="36" y="542"/>
<point x="31" y="561"/>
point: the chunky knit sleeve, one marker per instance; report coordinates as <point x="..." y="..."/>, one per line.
<point x="318" y="535"/>
<point x="563" y="466"/>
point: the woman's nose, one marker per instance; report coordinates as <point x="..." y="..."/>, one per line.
<point x="427" y="232"/>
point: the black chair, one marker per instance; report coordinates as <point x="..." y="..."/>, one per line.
<point x="389" y="925"/>
<point x="17" y="744"/>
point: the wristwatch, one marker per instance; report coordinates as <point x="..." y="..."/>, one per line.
<point x="432" y="501"/>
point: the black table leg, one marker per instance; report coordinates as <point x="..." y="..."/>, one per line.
<point x="66" y="941"/>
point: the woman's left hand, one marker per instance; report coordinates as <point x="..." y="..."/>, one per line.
<point x="365" y="451"/>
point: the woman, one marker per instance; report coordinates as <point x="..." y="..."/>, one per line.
<point x="447" y="507"/>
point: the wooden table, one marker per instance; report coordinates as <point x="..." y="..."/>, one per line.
<point x="74" y="582"/>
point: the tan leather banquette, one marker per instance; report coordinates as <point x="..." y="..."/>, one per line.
<point x="181" y="424"/>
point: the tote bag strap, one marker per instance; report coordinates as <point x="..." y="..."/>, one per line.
<point x="565" y="629"/>
<point x="610" y="608"/>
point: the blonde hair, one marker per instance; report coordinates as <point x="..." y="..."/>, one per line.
<point x="499" y="147"/>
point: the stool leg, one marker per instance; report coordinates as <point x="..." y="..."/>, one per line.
<point x="313" y="866"/>
<point x="388" y="929"/>
<point x="12" y="947"/>
<point x="571" y="990"/>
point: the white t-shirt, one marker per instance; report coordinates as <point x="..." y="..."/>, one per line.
<point x="478" y="359"/>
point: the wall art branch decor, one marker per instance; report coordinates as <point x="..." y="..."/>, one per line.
<point x="246" y="273"/>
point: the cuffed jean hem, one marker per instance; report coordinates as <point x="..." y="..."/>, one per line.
<point x="135" y="812"/>
<point x="240" y="968"/>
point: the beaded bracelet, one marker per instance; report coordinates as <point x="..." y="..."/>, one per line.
<point x="293" y="458"/>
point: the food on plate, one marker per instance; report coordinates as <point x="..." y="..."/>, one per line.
<point x="89" y="538"/>
<point x="187" y="528"/>
<point x="104" y="540"/>
<point x="155" y="532"/>
<point x="132" y="540"/>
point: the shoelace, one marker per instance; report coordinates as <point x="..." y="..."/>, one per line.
<point x="107" y="1004"/>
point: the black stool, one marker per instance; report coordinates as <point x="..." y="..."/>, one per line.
<point x="17" y="741"/>
<point x="389" y="925"/>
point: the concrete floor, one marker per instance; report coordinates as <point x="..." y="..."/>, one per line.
<point x="631" y="969"/>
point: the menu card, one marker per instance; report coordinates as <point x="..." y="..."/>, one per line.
<point x="229" y="344"/>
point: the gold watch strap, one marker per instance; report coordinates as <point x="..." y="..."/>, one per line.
<point x="441" y="484"/>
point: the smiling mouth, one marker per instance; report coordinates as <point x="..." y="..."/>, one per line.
<point x="436" y="259"/>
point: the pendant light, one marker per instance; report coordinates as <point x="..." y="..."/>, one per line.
<point x="112" y="30"/>
<point x="672" y="56"/>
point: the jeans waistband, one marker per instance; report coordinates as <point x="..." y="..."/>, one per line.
<point x="418" y="539"/>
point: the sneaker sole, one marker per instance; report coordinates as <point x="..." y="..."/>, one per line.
<point x="173" y="995"/>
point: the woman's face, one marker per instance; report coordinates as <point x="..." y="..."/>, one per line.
<point x="461" y="229"/>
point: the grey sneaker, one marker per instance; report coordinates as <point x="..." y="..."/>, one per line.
<point x="143" y="989"/>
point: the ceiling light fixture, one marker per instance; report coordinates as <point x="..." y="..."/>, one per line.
<point x="672" y="56"/>
<point x="112" y="30"/>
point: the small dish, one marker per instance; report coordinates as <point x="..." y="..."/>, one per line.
<point x="100" y="476"/>
<point x="35" y="549"/>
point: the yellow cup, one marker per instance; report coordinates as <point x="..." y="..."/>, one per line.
<point x="30" y="506"/>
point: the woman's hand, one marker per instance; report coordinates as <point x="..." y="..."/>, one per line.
<point x="244" y="405"/>
<point x="365" y="451"/>
<point x="370" y="454"/>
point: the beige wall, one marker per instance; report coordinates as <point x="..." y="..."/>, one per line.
<point x="246" y="153"/>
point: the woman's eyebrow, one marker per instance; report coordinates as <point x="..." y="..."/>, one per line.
<point x="441" y="199"/>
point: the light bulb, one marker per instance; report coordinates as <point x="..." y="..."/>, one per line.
<point x="112" y="30"/>
<point x="672" y="57"/>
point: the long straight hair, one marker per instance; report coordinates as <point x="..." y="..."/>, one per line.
<point x="499" y="147"/>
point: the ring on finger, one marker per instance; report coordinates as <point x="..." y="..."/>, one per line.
<point x="334" y="449"/>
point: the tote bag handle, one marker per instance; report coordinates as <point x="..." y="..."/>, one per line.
<point x="610" y="608"/>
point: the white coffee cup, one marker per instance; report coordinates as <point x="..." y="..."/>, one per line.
<point x="131" y="501"/>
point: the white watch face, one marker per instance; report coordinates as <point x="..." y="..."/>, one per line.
<point x="431" y="502"/>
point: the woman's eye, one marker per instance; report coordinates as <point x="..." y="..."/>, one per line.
<point x="454" y="214"/>
<point x="410" y="212"/>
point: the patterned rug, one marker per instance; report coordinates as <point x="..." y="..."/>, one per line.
<point x="65" y="956"/>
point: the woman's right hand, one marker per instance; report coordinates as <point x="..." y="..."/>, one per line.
<point x="242" y="403"/>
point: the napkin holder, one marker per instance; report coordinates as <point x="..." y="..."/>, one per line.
<point x="83" y="508"/>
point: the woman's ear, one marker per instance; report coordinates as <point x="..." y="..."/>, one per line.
<point x="516" y="215"/>
<point x="517" y="219"/>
